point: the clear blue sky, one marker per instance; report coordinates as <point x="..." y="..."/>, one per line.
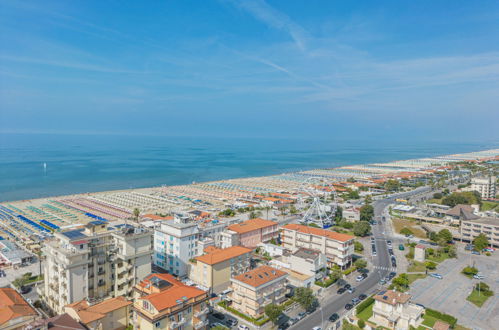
<point x="371" y="69"/>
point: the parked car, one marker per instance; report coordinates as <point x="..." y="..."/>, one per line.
<point x="220" y="325"/>
<point x="301" y="315"/>
<point x="355" y="301"/>
<point x="243" y="327"/>
<point x="360" y="278"/>
<point x="334" y="317"/>
<point x="348" y="307"/>
<point x="351" y="290"/>
<point x="316" y="328"/>
<point x="341" y="290"/>
<point x="231" y="322"/>
<point x="347" y="286"/>
<point x="475" y="252"/>
<point x="435" y="275"/>
<point x="219" y="316"/>
<point x="25" y="289"/>
<point x="401" y="247"/>
<point x="292" y="321"/>
<point x="389" y="243"/>
<point x="362" y="296"/>
<point x="391" y="275"/>
<point x="478" y="277"/>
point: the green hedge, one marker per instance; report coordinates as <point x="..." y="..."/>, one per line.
<point x="442" y="316"/>
<point x="259" y="321"/>
<point x="349" y="270"/>
<point x="326" y="284"/>
<point x="363" y="305"/>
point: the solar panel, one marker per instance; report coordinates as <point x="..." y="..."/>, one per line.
<point x="74" y="234"/>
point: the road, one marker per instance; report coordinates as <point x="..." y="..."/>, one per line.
<point x="334" y="303"/>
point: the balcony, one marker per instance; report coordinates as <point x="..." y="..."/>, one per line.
<point x="200" y="325"/>
<point x="201" y="312"/>
<point x="101" y="272"/>
<point x="101" y="283"/>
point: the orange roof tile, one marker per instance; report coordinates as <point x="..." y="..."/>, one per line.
<point x="319" y="232"/>
<point x="392" y="297"/>
<point x="260" y="275"/>
<point x="157" y="217"/>
<point x="170" y="295"/>
<point x="89" y="313"/>
<point x="13" y="305"/>
<point x="220" y="255"/>
<point x="251" y="225"/>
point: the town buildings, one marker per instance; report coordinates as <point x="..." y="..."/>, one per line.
<point x="214" y="269"/>
<point x="175" y="243"/>
<point x="112" y="313"/>
<point x="163" y="302"/>
<point x="337" y="247"/>
<point x="394" y="310"/>
<point x="15" y="312"/>
<point x="485" y="186"/>
<point x="250" y="233"/>
<point x="488" y="226"/>
<point x="254" y="290"/>
<point x="95" y="262"/>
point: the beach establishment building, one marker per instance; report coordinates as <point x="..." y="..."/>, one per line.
<point x="12" y="255"/>
<point x="488" y="226"/>
<point x="337" y="247"/>
<point x="250" y="233"/>
<point x="485" y="186"/>
<point x="175" y="243"/>
<point x="163" y="302"/>
<point x="213" y="270"/>
<point x="112" y="313"/>
<point x="394" y="310"/>
<point x="254" y="290"/>
<point x="15" y="312"/>
<point x="95" y="262"/>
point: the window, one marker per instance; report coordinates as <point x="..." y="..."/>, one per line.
<point x="157" y="324"/>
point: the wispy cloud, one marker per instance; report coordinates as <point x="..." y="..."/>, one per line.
<point x="275" y="19"/>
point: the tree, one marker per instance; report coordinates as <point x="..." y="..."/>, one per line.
<point x="273" y="312"/>
<point x="452" y="251"/>
<point x="335" y="274"/>
<point x="401" y="282"/>
<point x="136" y="213"/>
<point x="470" y="271"/>
<point x="305" y="297"/>
<point x="445" y="236"/>
<point x="406" y="231"/>
<point x="432" y="236"/>
<point x="338" y="215"/>
<point x="480" y="242"/>
<point x="366" y="212"/>
<point x="430" y="265"/>
<point x="255" y="214"/>
<point x="272" y="241"/>
<point x="361" y="228"/>
<point x="352" y="194"/>
<point x="392" y="185"/>
<point x="293" y="210"/>
<point x="361" y="323"/>
<point x="360" y="263"/>
<point x="437" y="195"/>
<point x="358" y="247"/>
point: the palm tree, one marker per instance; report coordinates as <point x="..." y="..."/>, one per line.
<point x="136" y="213"/>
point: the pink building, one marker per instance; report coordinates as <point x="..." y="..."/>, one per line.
<point x="254" y="231"/>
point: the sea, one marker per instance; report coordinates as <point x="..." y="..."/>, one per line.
<point x="44" y="165"/>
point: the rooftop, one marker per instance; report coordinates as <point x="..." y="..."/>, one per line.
<point x="89" y="313"/>
<point x="260" y="275"/>
<point x="58" y="322"/>
<point x="215" y="256"/>
<point x="319" y="232"/>
<point x="251" y="225"/>
<point x="306" y="253"/>
<point x="392" y="297"/>
<point x="13" y="305"/>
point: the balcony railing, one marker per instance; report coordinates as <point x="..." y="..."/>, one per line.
<point x="201" y="312"/>
<point x="199" y="325"/>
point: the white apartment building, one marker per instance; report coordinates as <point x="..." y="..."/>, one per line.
<point x="337" y="247"/>
<point x="95" y="262"/>
<point x="175" y="243"/>
<point x="488" y="226"/>
<point x="485" y="186"/>
<point x="394" y="310"/>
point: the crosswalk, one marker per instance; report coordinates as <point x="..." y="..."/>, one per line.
<point x="393" y="269"/>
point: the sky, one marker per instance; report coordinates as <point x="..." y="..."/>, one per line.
<point x="319" y="69"/>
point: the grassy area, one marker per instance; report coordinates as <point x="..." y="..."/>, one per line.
<point x="414" y="277"/>
<point x="429" y="321"/>
<point x="400" y="224"/>
<point x="477" y="299"/>
<point x="366" y="313"/>
<point x="435" y="201"/>
<point x="443" y="256"/>
<point x="416" y="266"/>
<point x="488" y="206"/>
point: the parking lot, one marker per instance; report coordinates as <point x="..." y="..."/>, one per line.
<point x="449" y="294"/>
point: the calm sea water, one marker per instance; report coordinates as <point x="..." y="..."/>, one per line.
<point x="89" y="163"/>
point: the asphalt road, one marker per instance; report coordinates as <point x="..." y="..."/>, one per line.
<point x="333" y="303"/>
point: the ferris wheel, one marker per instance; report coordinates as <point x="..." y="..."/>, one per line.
<point x="319" y="211"/>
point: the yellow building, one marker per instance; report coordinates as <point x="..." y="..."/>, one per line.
<point x="163" y="302"/>
<point x="113" y="313"/>
<point x="254" y="290"/>
<point x="214" y="269"/>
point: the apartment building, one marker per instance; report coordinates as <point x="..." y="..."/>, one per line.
<point x="254" y="290"/>
<point x="112" y="313"/>
<point x="250" y="233"/>
<point x="337" y="247"/>
<point x="15" y="312"/>
<point x="308" y="262"/>
<point x="163" y="302"/>
<point x="95" y="262"/>
<point x="485" y="186"/>
<point x="214" y="269"/>
<point x="175" y="243"/>
<point x="394" y="310"/>
<point x="488" y="226"/>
